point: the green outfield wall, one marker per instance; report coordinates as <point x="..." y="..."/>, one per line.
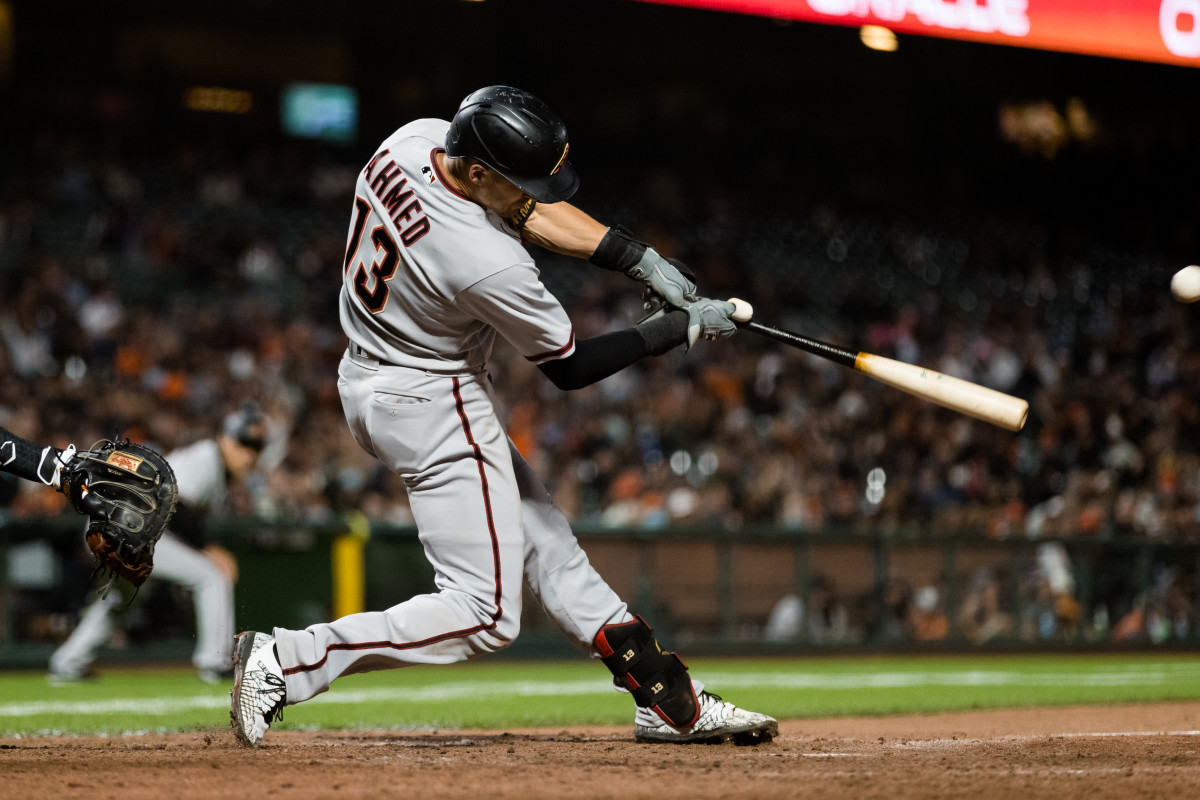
<point x="709" y="588"/>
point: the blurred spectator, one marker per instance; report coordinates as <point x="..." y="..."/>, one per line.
<point x="825" y="621"/>
<point x="927" y="620"/>
<point x="890" y="619"/>
<point x="980" y="615"/>
<point x="1050" y="608"/>
<point x="1161" y="612"/>
<point x="786" y="620"/>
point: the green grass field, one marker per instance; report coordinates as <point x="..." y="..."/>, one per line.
<point x="510" y="694"/>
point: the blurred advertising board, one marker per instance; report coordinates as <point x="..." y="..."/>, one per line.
<point x="1166" y="31"/>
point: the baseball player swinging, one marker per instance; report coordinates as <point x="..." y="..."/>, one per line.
<point x="434" y="270"/>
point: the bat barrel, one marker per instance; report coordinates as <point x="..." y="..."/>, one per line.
<point x="962" y="396"/>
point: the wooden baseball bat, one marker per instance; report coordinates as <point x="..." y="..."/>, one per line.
<point x="956" y="394"/>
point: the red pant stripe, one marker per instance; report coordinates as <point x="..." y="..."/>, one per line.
<point x="487" y="504"/>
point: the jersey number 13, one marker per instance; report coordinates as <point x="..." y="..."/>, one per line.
<point x="370" y="283"/>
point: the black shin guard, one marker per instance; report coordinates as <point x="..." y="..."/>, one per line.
<point x="658" y="680"/>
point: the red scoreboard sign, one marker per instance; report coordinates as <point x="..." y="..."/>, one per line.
<point x="1166" y="31"/>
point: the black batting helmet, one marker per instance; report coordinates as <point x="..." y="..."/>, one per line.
<point x="517" y="135"/>
<point x="247" y="426"/>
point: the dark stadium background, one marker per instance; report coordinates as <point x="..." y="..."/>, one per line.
<point x="848" y="193"/>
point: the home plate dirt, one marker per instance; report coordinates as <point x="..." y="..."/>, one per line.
<point x="1143" y="751"/>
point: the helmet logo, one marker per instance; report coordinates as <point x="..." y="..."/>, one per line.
<point x="561" y="159"/>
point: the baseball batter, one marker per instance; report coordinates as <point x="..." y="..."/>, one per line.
<point x="202" y="470"/>
<point x="434" y="269"/>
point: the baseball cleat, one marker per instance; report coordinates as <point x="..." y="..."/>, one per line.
<point x="719" y="722"/>
<point x="258" y="692"/>
<point x="65" y="678"/>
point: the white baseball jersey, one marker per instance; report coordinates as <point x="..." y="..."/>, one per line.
<point x="200" y="473"/>
<point x="430" y="277"/>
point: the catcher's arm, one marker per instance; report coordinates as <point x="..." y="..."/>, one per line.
<point x="33" y="462"/>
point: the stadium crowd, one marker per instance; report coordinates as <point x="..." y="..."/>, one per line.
<point x="149" y="295"/>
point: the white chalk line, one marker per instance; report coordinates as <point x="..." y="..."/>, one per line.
<point x="1142" y="675"/>
<point x="965" y="741"/>
<point x="1000" y="773"/>
<point x="972" y="741"/>
<point x="836" y="755"/>
<point x="1102" y="734"/>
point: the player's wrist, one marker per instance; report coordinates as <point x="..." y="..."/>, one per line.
<point x="618" y="251"/>
<point x="663" y="332"/>
<point x="50" y="467"/>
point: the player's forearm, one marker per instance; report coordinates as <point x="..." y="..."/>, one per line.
<point x="563" y="228"/>
<point x="20" y="457"/>
<point x="599" y="357"/>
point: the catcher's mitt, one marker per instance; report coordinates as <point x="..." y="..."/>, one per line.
<point x="128" y="493"/>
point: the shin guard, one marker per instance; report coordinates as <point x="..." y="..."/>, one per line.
<point x="658" y="680"/>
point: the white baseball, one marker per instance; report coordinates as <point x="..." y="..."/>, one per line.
<point x="742" y="311"/>
<point x="1185" y="284"/>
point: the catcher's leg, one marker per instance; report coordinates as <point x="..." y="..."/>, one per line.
<point x="212" y="596"/>
<point x="70" y="662"/>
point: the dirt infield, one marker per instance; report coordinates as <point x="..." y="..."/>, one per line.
<point x="1123" y="752"/>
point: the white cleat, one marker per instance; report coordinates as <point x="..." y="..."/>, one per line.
<point x="719" y="722"/>
<point x="258" y="689"/>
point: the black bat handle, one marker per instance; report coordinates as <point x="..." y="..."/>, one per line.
<point x="826" y="350"/>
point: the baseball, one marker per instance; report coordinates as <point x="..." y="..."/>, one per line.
<point x="1185" y="284"/>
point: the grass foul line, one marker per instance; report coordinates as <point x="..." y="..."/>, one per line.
<point x="160" y="706"/>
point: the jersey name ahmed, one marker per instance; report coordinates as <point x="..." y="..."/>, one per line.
<point x="430" y="277"/>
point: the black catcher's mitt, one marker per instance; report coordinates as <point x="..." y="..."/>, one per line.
<point x="128" y="493"/>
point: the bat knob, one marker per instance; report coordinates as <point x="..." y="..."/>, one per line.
<point x="742" y="311"/>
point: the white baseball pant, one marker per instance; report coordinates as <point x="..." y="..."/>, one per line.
<point x="486" y="524"/>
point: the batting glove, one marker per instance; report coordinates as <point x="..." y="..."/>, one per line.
<point x="709" y="319"/>
<point x="664" y="279"/>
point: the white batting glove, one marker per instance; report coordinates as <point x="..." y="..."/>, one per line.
<point x="51" y="465"/>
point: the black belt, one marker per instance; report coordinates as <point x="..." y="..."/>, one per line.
<point x="358" y="352"/>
